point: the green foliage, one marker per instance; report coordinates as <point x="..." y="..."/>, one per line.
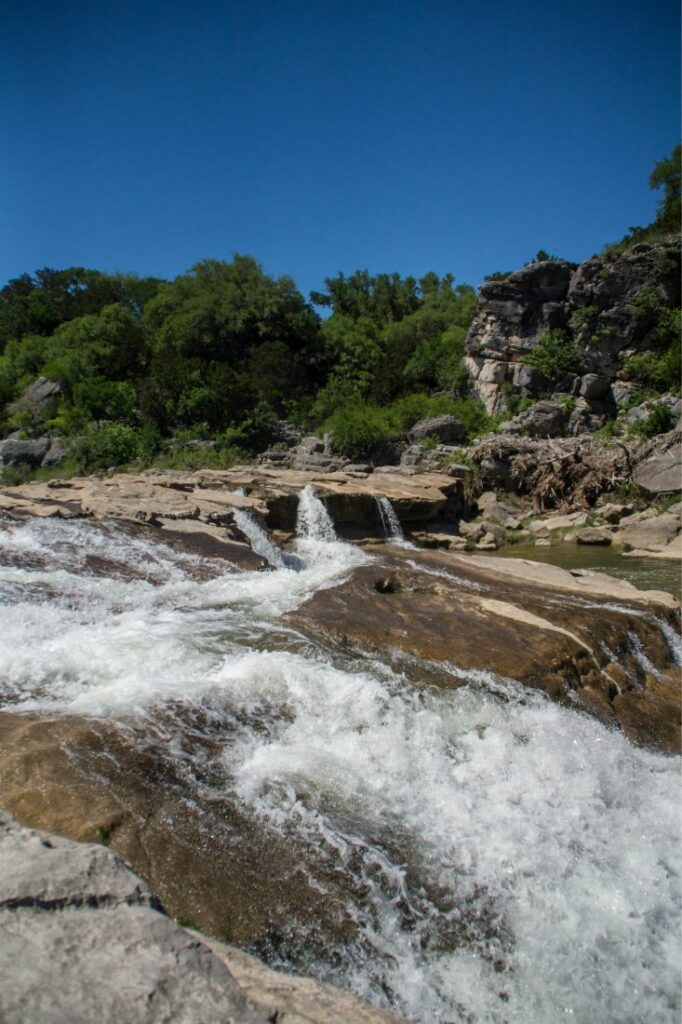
<point x="39" y="303"/>
<point x="584" y="316"/>
<point x="359" y="428"/>
<point x="612" y="428"/>
<point x="659" y="421"/>
<point x="660" y="367"/>
<point x="220" y="310"/>
<point x="190" y="459"/>
<point x="667" y="175"/>
<point x="106" y="446"/>
<point x="553" y="354"/>
<point x="499" y="275"/>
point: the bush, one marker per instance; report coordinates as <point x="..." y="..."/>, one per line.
<point x="105" y="446"/>
<point x="553" y="354"/>
<point x="356" y="429"/>
<point x="659" y="421"/>
<point x="660" y="372"/>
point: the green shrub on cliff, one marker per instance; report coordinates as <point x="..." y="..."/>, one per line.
<point x="553" y="354"/>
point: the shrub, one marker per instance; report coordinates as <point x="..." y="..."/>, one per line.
<point x="584" y="315"/>
<point x="553" y="354"/>
<point x="105" y="446"/>
<point x="660" y="372"/>
<point x="659" y="421"/>
<point x="358" y="428"/>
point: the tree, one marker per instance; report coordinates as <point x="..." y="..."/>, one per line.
<point x="667" y="175"/>
<point x="219" y="310"/>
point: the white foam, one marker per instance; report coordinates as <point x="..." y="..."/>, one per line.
<point x="546" y="842"/>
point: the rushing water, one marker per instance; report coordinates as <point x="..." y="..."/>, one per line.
<point x="503" y="859"/>
<point x="393" y="531"/>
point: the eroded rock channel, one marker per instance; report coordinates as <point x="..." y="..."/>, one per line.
<point x="442" y="782"/>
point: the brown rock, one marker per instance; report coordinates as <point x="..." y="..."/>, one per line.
<point x="590" y="535"/>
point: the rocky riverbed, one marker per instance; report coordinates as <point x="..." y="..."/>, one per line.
<point x="439" y="780"/>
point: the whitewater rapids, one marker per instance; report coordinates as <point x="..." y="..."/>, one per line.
<point x="507" y="860"/>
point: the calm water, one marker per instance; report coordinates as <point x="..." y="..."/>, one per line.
<point x="645" y="573"/>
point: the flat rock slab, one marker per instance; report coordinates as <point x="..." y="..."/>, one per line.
<point x="210" y="497"/>
<point x="661" y="474"/>
<point x="83" y="939"/>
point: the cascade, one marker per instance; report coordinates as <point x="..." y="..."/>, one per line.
<point x="389" y="520"/>
<point x="313" y="522"/>
<point x="469" y="837"/>
<point x="258" y="538"/>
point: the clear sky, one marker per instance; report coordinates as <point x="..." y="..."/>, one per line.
<point x="321" y="137"/>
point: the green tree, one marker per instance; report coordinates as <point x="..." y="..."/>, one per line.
<point x="667" y="175"/>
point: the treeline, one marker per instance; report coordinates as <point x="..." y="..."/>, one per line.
<point x="225" y="351"/>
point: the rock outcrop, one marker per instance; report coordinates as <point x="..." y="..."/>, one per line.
<point x="208" y="499"/>
<point x="594" y="303"/>
<point x="82" y="938"/>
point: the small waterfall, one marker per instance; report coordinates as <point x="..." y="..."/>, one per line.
<point x="258" y="538"/>
<point x="313" y="522"/>
<point x="389" y="520"/>
<point x="673" y="639"/>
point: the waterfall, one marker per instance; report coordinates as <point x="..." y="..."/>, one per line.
<point x="393" y="531"/>
<point x="258" y="538"/>
<point x="313" y="522"/>
<point x="673" y="639"/>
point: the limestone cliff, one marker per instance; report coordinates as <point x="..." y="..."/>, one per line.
<point x="595" y="305"/>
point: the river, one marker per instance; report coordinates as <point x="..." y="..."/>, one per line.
<point x="494" y="858"/>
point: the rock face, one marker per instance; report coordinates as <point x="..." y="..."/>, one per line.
<point x="38" y="399"/>
<point x="14" y="452"/>
<point x="593" y="303"/>
<point x="82" y="938"/>
<point x="544" y="419"/>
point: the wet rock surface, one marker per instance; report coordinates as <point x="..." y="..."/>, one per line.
<point x="536" y="623"/>
<point x="83" y="938"/>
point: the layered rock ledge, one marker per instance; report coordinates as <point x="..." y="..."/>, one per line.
<point x="206" y="500"/>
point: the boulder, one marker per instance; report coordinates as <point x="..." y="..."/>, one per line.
<point x="544" y="419"/>
<point x="528" y="381"/>
<point x="661" y="474"/>
<point x="652" y="534"/>
<point x="28" y="453"/>
<point x="447" y="429"/>
<point x="591" y="535"/>
<point x="38" y="399"/>
<point x="55" y="454"/>
<point x="613" y="512"/>
<point x="82" y="938"/>
<point x="594" y="385"/>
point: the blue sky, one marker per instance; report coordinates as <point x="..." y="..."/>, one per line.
<point x="325" y="137"/>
